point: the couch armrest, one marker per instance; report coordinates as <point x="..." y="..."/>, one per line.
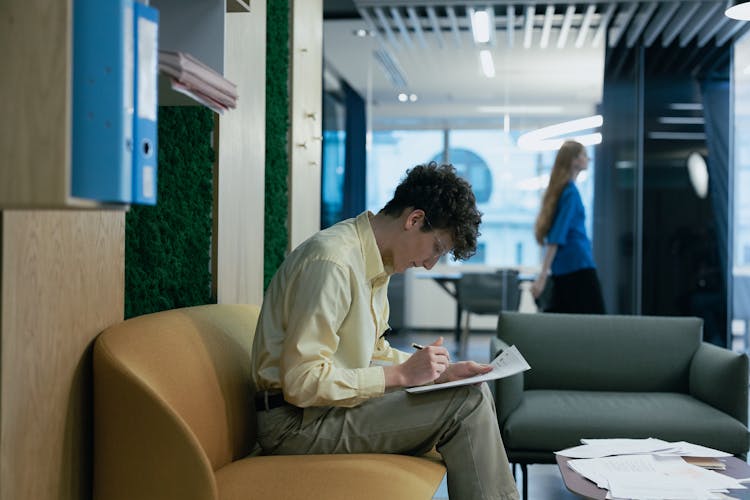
<point x="508" y="391"/>
<point x="719" y="377"/>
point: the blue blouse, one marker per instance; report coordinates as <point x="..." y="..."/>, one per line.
<point x="568" y="231"/>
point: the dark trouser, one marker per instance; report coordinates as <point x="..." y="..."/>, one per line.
<point x="577" y="292"/>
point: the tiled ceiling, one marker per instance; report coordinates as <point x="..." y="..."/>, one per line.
<point x="426" y="48"/>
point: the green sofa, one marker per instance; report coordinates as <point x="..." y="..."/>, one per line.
<point x="596" y="376"/>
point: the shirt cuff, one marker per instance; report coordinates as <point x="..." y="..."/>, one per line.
<point x="372" y="381"/>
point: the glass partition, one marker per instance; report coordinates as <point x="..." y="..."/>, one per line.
<point x="740" y="324"/>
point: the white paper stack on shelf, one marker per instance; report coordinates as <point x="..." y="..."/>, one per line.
<point x="191" y="77"/>
<point x="648" y="469"/>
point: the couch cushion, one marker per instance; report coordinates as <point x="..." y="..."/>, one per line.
<point x="603" y="352"/>
<point x="333" y="477"/>
<point x="554" y="420"/>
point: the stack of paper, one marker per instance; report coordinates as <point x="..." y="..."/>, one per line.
<point x="649" y="468"/>
<point x="194" y="79"/>
<point x="595" y="448"/>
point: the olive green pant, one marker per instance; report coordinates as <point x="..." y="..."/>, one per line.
<point x="460" y="422"/>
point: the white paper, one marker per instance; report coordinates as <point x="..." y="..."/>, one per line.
<point x="652" y="476"/>
<point x="685" y="449"/>
<point x="507" y="363"/>
<point x="596" y="448"/>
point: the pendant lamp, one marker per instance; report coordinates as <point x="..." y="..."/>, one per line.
<point x="739" y="10"/>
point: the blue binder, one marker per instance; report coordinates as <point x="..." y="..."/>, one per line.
<point x="102" y="136"/>
<point x="146" y="29"/>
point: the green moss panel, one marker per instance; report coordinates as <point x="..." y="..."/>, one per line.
<point x="168" y="246"/>
<point x="277" y="129"/>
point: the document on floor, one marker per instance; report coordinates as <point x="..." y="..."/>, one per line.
<point x="507" y="363"/>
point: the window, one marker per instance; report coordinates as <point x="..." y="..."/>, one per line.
<point x="508" y="182"/>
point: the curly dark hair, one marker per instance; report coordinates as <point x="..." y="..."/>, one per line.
<point x="448" y="201"/>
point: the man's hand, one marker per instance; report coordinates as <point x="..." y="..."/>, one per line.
<point x="461" y="370"/>
<point x="425" y="365"/>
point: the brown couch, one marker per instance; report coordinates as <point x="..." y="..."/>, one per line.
<point x="174" y="419"/>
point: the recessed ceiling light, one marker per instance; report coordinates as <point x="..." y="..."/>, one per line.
<point x="402" y="97"/>
<point x="480" y="26"/>
<point x="413" y="97"/>
<point x="488" y="66"/>
<point x="361" y="32"/>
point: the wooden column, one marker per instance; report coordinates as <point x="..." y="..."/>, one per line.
<point x="62" y="278"/>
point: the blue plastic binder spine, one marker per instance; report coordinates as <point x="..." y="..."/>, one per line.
<point x="102" y="137"/>
<point x="146" y="31"/>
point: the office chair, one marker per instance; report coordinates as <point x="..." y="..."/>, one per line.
<point x="486" y="293"/>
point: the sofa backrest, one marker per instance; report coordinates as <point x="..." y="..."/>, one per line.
<point x="173" y="401"/>
<point x="603" y="352"/>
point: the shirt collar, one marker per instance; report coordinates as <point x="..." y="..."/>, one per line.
<point x="374" y="268"/>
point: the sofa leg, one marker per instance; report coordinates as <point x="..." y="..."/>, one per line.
<point x="525" y="472"/>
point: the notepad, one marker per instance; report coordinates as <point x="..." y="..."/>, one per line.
<point x="507" y="363"/>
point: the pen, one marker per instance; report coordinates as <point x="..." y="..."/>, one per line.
<point x="417" y="346"/>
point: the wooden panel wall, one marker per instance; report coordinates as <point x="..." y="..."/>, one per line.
<point x="306" y="119"/>
<point x="34" y="102"/>
<point x="62" y="283"/>
<point x="241" y="166"/>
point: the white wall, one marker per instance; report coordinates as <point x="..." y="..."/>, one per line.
<point x="427" y="305"/>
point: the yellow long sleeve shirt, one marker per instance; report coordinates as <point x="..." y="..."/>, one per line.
<point x="319" y="335"/>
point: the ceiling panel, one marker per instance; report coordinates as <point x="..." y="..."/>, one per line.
<point x="548" y="56"/>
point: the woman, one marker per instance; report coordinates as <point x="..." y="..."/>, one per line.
<point x="560" y="227"/>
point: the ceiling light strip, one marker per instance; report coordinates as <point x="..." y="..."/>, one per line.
<point x="416" y="25"/>
<point x="510" y="19"/>
<point x="565" y="30"/>
<point x="603" y="25"/>
<point x="396" y="15"/>
<point x="585" y="25"/>
<point x="686" y="106"/>
<point x="547" y="27"/>
<point x="637" y="26"/>
<point x="677" y="136"/>
<point x="707" y="12"/>
<point x="480" y="26"/>
<point x="387" y="28"/>
<point x="488" y="66"/>
<point x="454" y="25"/>
<point x="618" y="30"/>
<point x="661" y="19"/>
<point x="528" y="30"/>
<point x="678" y="22"/>
<point x="491" y="22"/>
<point x="435" y="26"/>
<point x="711" y="28"/>
<point x="681" y="120"/>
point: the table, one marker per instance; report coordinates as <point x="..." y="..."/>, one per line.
<point x="448" y="281"/>
<point x="579" y="485"/>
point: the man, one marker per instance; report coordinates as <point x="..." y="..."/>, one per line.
<point x="327" y="380"/>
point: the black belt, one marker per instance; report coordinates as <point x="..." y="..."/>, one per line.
<point x="265" y="400"/>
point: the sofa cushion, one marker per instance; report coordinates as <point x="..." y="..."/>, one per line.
<point x="333" y="477"/>
<point x="603" y="352"/>
<point x="554" y="420"/>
